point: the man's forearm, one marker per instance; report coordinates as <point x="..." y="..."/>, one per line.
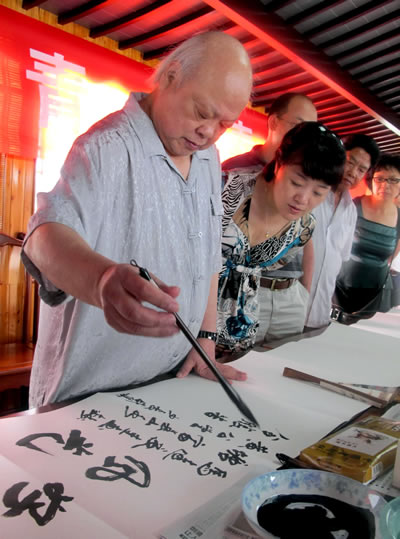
<point x="66" y="260"/>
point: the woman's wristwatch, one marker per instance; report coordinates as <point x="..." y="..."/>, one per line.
<point x="207" y="335"/>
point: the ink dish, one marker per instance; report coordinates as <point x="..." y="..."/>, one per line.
<point x="311" y="504"/>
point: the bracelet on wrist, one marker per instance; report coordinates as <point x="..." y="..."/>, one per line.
<point x="207" y="335"/>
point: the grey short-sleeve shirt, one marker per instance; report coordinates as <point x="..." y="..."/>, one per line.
<point x="121" y="192"/>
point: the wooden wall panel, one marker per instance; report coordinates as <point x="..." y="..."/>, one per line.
<point x="16" y="207"/>
<point x="20" y="174"/>
<point x="12" y="295"/>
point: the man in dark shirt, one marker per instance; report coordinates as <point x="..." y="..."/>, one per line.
<point x="286" y="111"/>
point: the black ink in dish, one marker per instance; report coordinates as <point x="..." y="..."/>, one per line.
<point x="311" y="516"/>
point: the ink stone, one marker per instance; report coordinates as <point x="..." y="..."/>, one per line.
<point x="311" y="516"/>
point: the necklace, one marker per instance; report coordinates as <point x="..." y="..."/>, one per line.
<point x="270" y="235"/>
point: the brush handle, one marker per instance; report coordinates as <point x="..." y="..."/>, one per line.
<point x="333" y="386"/>
<point x="229" y="390"/>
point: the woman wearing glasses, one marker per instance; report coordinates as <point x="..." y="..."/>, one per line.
<point x="364" y="285"/>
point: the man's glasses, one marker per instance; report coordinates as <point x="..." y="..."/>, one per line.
<point x="291" y="123"/>
<point x="390" y="181"/>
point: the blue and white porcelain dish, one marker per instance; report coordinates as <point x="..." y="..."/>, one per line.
<point x="308" y="482"/>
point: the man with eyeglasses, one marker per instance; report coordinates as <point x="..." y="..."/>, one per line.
<point x="389" y="181"/>
<point x="285" y="112"/>
<point x="283" y="296"/>
<point x="335" y="223"/>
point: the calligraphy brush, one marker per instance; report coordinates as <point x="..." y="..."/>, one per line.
<point x="229" y="390"/>
<point x="333" y="386"/>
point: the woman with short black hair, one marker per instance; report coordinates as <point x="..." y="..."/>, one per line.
<point x="267" y="220"/>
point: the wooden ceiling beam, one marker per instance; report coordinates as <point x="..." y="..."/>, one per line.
<point x="336" y="109"/>
<point x="371" y="57"/>
<point x="126" y="20"/>
<point x="366" y="45"/>
<point x="378" y="69"/>
<point x="346" y="115"/>
<point x="362" y="30"/>
<point x="264" y="77"/>
<point x="339" y="121"/>
<point x="284" y="88"/>
<point x="390" y="95"/>
<point x="336" y="125"/>
<point x="370" y="130"/>
<point x="315" y="96"/>
<point x="387" y="87"/>
<point x="162" y="51"/>
<point x="29" y="4"/>
<point x="310" y="12"/>
<point x="386" y="136"/>
<point x="271" y="30"/>
<point x="294" y="80"/>
<point x="262" y="100"/>
<point x="336" y="99"/>
<point x="278" y="4"/>
<point x="324" y="95"/>
<point x="395" y="150"/>
<point x="392" y="99"/>
<point x="163" y="31"/>
<point x="382" y="78"/>
<point x="390" y="145"/>
<point x="282" y="62"/>
<point x="345" y="18"/>
<point x="71" y="15"/>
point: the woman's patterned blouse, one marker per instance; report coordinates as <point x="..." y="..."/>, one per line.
<point x="239" y="279"/>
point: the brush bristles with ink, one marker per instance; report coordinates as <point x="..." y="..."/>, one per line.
<point x="229" y="390"/>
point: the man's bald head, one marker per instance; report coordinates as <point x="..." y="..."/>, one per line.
<point x="206" y="51"/>
<point x="200" y="90"/>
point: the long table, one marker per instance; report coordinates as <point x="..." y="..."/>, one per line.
<point x="131" y="463"/>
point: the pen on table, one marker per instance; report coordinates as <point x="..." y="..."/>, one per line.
<point x="229" y="390"/>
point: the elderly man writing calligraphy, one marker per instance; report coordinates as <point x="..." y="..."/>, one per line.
<point x="142" y="183"/>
